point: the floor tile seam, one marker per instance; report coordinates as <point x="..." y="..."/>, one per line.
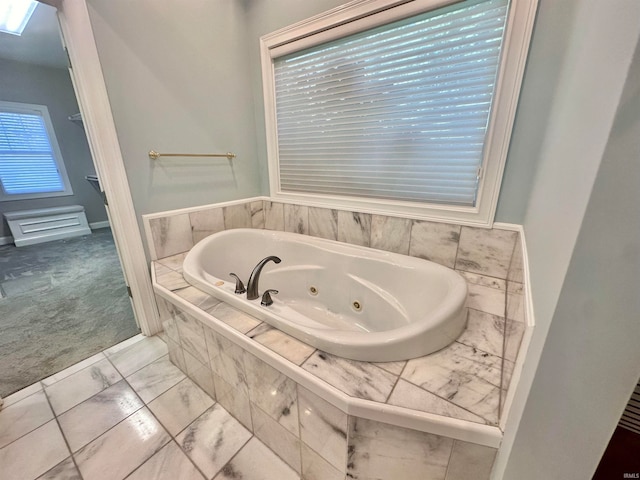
<point x="112" y="426"/>
<point x="71" y="366"/>
<point x="198" y="416"/>
<point x="88" y="398"/>
<point x="171" y="436"/>
<point x="175" y="438"/>
<point x="53" y="416"/>
<point x="237" y="453"/>
<point x="64" y="437"/>
<point x="171" y="440"/>
<point x="5" y="406"/>
<point x="166" y="389"/>
<point x="46" y="387"/>
<point x="448" y="401"/>
<point x="149" y="457"/>
<point x="109" y="355"/>
<point x="27" y="433"/>
<point x="136" y="371"/>
<point x="144" y="405"/>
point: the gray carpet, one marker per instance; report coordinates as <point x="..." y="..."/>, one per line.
<point x="63" y="302"/>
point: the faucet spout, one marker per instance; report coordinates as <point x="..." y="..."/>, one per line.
<point x="252" y="286"/>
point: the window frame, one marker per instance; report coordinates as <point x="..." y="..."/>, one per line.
<point x="361" y="15"/>
<point x="43" y="112"/>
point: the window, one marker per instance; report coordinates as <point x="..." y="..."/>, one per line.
<point x="404" y="111"/>
<point x="31" y="165"/>
<point x="15" y="14"/>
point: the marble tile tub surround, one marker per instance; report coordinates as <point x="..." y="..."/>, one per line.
<point x="489" y="258"/>
<point x="311" y="435"/>
<point x="483" y="256"/>
<point x="482" y="251"/>
<point x="462" y="381"/>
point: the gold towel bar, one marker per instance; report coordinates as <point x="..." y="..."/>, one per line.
<point x="153" y="155"/>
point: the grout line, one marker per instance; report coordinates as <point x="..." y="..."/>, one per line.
<point x="455" y="260"/>
<point x="500" y="356"/>
<point x="238" y="451"/>
<point x="64" y="437"/>
<point x="282" y="427"/>
<point x="446" y="471"/>
<point x="504" y="329"/>
<point x="386" y="400"/>
<point x="4" y="406"/>
<point x="171" y="437"/>
<point x="144" y="366"/>
<point x="44" y="385"/>
<point x="112" y="426"/>
<point x="299" y="425"/>
<point x="34" y="428"/>
<point x="449" y="401"/>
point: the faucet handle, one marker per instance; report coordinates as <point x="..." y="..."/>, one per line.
<point x="266" y="297"/>
<point x="239" y="285"/>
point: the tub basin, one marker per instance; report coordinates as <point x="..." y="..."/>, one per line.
<point x="351" y="301"/>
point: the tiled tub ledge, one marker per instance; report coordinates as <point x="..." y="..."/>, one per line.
<point x="337" y="412"/>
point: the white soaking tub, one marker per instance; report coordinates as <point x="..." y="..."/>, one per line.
<point x="351" y="301"/>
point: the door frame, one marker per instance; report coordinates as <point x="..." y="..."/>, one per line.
<point x="91" y="92"/>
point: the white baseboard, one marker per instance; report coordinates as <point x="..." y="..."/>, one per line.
<point x="97" y="225"/>
<point x="6" y="240"/>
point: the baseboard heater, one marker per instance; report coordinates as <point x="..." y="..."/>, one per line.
<point x="40" y="225"/>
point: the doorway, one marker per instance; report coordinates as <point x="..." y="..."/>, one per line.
<point x="101" y="245"/>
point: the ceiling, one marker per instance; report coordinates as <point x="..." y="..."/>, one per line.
<point x="40" y="42"/>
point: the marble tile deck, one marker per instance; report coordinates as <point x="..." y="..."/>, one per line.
<point x="127" y="414"/>
<point x="461" y="381"/>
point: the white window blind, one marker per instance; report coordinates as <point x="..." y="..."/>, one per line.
<point x="27" y="160"/>
<point x="397" y="112"/>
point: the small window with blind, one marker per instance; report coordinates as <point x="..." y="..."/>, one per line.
<point x="31" y="165"/>
<point x="406" y="109"/>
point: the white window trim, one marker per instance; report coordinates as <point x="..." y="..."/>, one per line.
<point x="362" y="15"/>
<point x="43" y="111"/>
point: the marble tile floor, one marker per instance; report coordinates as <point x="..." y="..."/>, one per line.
<point x="127" y="412"/>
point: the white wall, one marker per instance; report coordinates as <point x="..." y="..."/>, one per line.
<point x="178" y="81"/>
<point x="547" y="55"/>
<point x="20" y="82"/>
<point x="582" y="233"/>
<point x="188" y="79"/>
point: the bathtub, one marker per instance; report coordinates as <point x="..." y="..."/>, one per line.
<point x="351" y="301"/>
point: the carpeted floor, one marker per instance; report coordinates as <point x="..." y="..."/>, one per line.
<point x="63" y="302"/>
